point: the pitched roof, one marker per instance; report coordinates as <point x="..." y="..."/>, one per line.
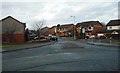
<point x="66" y="25"/>
<point x="88" y="23"/>
<point x="113" y="22"/>
<point x="45" y="29"/>
<point x="14" y="19"/>
<point x="53" y="27"/>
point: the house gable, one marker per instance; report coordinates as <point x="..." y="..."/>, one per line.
<point x="113" y="25"/>
<point x="65" y="27"/>
<point x="13" y="31"/>
<point x="11" y="24"/>
<point x="13" y="19"/>
<point x="90" y="25"/>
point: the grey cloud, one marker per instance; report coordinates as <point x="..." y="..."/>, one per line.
<point x="97" y="10"/>
<point x="26" y="11"/>
<point x="103" y="11"/>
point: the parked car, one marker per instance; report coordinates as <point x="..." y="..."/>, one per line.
<point x="92" y="37"/>
<point x="54" y="38"/>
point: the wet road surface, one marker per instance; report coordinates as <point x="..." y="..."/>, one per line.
<point x="64" y="55"/>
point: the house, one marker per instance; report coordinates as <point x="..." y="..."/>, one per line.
<point x="44" y="31"/>
<point x="102" y="32"/>
<point x="64" y="30"/>
<point x="12" y="30"/>
<point x="52" y="30"/>
<point x="113" y="28"/>
<point x="88" y="28"/>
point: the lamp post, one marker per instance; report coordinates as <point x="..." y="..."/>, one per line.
<point x="74" y="28"/>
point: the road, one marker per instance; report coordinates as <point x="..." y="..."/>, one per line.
<point x="64" y="55"/>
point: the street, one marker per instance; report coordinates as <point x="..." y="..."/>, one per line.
<point x="64" y="55"/>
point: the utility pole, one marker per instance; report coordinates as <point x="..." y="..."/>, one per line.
<point x="74" y="28"/>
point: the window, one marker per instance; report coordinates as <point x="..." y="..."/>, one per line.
<point x="60" y="28"/>
<point x="64" y="29"/>
<point x="110" y="27"/>
<point x="89" y="27"/>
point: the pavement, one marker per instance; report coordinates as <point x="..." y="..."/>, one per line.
<point x="103" y="44"/>
<point x="26" y="46"/>
<point x="98" y="43"/>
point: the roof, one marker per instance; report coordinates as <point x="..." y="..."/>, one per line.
<point x="88" y="23"/>
<point x="113" y="22"/>
<point x="45" y="29"/>
<point x="62" y="26"/>
<point x="13" y="19"/>
<point x="66" y="25"/>
<point x="53" y="27"/>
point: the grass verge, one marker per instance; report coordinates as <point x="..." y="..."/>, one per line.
<point x="116" y="43"/>
<point x="21" y="44"/>
<point x="5" y="46"/>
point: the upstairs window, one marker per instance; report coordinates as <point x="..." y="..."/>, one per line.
<point x="89" y="27"/>
<point x="110" y="27"/>
<point x="60" y="29"/>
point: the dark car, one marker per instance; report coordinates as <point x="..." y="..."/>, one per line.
<point x="54" y="38"/>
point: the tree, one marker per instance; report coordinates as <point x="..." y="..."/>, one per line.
<point x="26" y="34"/>
<point x="37" y="26"/>
<point x="58" y="25"/>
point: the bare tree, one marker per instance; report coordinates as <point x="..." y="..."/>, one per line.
<point x="37" y="26"/>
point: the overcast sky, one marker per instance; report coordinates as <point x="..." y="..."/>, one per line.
<point x="59" y="11"/>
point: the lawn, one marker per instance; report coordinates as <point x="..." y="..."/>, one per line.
<point x="13" y="45"/>
<point x="20" y="44"/>
<point x="5" y="46"/>
<point x="116" y="43"/>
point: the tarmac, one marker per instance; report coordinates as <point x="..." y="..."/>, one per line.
<point x="36" y="45"/>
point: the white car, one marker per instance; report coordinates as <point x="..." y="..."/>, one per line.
<point x="93" y="36"/>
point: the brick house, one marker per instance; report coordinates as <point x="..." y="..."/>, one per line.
<point x="64" y="30"/>
<point x="88" y="28"/>
<point x="102" y="32"/>
<point x="12" y="30"/>
<point x="52" y="30"/>
<point x="44" y="31"/>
